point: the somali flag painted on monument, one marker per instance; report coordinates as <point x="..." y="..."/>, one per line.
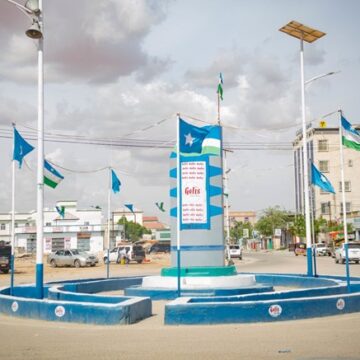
<point x="196" y="140"/>
<point x="21" y="147"/>
<point x="320" y="180"/>
<point x="52" y="177"/>
<point x="350" y="136"/>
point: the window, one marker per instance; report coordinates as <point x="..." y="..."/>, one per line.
<point x="347" y="207"/>
<point x="86" y="223"/>
<point x="323" y="145"/>
<point x="347" y="186"/>
<point x="324" y="166"/>
<point x="325" y="208"/>
<point x="350" y="163"/>
<point x="2" y="227"/>
<point x="48" y="224"/>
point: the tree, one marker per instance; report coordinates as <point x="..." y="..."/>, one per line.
<point x="133" y="231"/>
<point x="272" y="218"/>
<point x="237" y="230"/>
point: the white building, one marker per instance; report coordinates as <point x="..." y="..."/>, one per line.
<point x="324" y="152"/>
<point x="80" y="229"/>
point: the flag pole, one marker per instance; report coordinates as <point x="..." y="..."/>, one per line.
<point x="108" y="227"/>
<point x="346" y="245"/>
<point x="311" y="189"/>
<point x="179" y="212"/>
<point x="12" y="258"/>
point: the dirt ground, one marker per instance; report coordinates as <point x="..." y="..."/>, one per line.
<point x="325" y="338"/>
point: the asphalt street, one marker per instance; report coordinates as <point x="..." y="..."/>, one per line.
<point x="327" y="338"/>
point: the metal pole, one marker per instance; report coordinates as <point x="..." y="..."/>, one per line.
<point x="226" y="200"/>
<point x="305" y="163"/>
<point x="108" y="227"/>
<point x="346" y="245"/>
<point x="12" y="258"/>
<point x="313" y="227"/>
<point x="179" y="212"/>
<point x="40" y="167"/>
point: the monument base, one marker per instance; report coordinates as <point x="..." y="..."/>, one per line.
<point x="200" y="271"/>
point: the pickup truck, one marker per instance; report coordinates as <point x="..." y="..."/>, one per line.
<point x="353" y="253"/>
<point x="5" y="256"/>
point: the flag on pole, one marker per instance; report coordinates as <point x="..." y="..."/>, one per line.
<point x="350" y="136"/>
<point x="52" y="177"/>
<point x="320" y="180"/>
<point x="220" y="90"/>
<point x="21" y="147"/>
<point x="160" y="206"/>
<point x="115" y="182"/>
<point x="60" y="210"/>
<point x="130" y="207"/>
<point x="199" y="140"/>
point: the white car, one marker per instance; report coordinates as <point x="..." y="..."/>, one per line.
<point x="353" y="253"/>
<point x="321" y="249"/>
<point x="235" y="251"/>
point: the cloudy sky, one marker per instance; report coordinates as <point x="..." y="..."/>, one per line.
<point x="120" y="70"/>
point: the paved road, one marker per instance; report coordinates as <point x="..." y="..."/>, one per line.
<point x="323" y="338"/>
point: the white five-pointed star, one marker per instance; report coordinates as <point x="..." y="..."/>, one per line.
<point x="323" y="178"/>
<point x="189" y="140"/>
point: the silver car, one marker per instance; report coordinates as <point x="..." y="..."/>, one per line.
<point x="71" y="258"/>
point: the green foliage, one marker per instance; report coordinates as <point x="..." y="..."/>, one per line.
<point x="298" y="228"/>
<point x="133" y="231"/>
<point x="237" y="230"/>
<point x="272" y="218"/>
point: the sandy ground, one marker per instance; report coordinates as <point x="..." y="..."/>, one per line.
<point x="335" y="337"/>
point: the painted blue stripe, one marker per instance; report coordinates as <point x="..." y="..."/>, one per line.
<point x="215" y="210"/>
<point x="173" y="192"/>
<point x="199" y="248"/>
<point x="214" y="171"/>
<point x="215" y="191"/>
<point x="173" y="212"/>
<point x="172" y="173"/>
<point x="39" y="281"/>
<point x="173" y="155"/>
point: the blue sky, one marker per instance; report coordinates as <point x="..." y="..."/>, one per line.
<point x="113" y="68"/>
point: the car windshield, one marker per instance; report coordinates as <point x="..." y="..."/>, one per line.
<point x="354" y="246"/>
<point x="75" y="252"/>
<point x="321" y="245"/>
<point x="234" y="247"/>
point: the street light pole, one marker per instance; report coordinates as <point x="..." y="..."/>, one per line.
<point x="40" y="166"/>
<point x="304" y="33"/>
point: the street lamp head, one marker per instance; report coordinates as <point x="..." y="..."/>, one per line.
<point x="33" y="6"/>
<point x="34" y="32"/>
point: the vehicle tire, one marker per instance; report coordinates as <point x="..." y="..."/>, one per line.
<point x="240" y="257"/>
<point x="336" y="261"/>
<point x="296" y="254"/>
<point x="139" y="261"/>
<point x="53" y="263"/>
<point x="5" y="271"/>
<point x="356" y="261"/>
<point x="342" y="261"/>
<point x="77" y="263"/>
<point x="92" y="265"/>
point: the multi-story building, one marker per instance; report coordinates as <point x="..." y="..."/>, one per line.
<point x="81" y="229"/>
<point x="324" y="152"/>
<point x="242" y="216"/>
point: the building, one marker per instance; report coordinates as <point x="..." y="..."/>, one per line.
<point x="153" y="224"/>
<point x="136" y="216"/>
<point x="242" y="216"/>
<point x="79" y="228"/>
<point x="324" y="152"/>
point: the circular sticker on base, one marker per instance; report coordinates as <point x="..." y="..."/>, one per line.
<point x="14" y="306"/>
<point x="340" y="304"/>
<point x="275" y="310"/>
<point x="59" y="311"/>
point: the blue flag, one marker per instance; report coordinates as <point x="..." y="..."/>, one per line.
<point x="191" y="137"/>
<point x="320" y="180"/>
<point x="115" y="182"/>
<point x="130" y="207"/>
<point x="21" y="147"/>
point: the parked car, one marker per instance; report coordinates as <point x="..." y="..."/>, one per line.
<point x="71" y="257"/>
<point x="159" y="248"/>
<point x="300" y="249"/>
<point x="133" y="253"/>
<point x="322" y="249"/>
<point x="5" y="254"/>
<point x="235" y="251"/>
<point x="353" y="253"/>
